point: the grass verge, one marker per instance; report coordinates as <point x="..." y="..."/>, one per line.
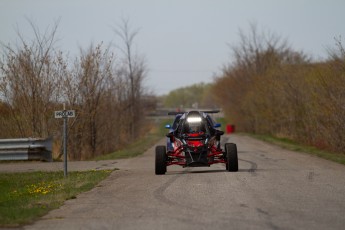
<point x="138" y="147"/>
<point x="26" y="196"/>
<point x="294" y="146"/>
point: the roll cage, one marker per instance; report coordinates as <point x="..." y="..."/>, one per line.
<point x="195" y="142"/>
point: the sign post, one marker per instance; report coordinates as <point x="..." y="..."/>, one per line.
<point x="65" y="114"/>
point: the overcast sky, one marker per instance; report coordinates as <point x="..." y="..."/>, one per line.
<point x="184" y="41"/>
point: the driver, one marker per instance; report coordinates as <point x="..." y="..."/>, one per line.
<point x="196" y="127"/>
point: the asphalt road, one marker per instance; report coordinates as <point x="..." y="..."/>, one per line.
<point x="274" y="189"/>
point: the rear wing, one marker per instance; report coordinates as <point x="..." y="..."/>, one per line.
<point x="204" y="111"/>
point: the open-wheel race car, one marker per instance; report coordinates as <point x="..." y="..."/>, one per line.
<point x="195" y="142"/>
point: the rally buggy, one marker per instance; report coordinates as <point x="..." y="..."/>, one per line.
<point x="195" y="142"/>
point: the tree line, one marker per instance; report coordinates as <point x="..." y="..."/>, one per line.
<point x="193" y="96"/>
<point x="103" y="85"/>
<point x="270" y="88"/>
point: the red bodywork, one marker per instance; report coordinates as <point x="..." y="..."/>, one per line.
<point x="177" y="156"/>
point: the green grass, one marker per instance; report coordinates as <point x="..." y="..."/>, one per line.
<point x="26" y="196"/>
<point x="138" y="147"/>
<point x="291" y="145"/>
<point x="223" y="122"/>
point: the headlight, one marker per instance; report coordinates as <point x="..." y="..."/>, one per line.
<point x="194" y="119"/>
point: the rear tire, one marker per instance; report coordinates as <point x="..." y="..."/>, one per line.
<point x="160" y="166"/>
<point x="231" y="157"/>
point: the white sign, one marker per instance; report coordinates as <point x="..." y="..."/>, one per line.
<point x="64" y="113"/>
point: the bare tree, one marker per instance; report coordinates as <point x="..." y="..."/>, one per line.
<point x="87" y="91"/>
<point x="35" y="80"/>
<point x="247" y="86"/>
<point x="30" y="81"/>
<point x="134" y="70"/>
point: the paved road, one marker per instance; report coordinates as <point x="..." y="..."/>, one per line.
<point x="274" y="189"/>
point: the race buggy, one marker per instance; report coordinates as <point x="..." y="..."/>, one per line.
<point x="195" y="142"/>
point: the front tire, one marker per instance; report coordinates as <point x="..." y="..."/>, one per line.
<point x="160" y="164"/>
<point x="231" y="157"/>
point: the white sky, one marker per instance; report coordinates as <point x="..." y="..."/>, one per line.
<point x="184" y="41"/>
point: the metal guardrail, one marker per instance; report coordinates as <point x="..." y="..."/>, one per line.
<point x="26" y="149"/>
